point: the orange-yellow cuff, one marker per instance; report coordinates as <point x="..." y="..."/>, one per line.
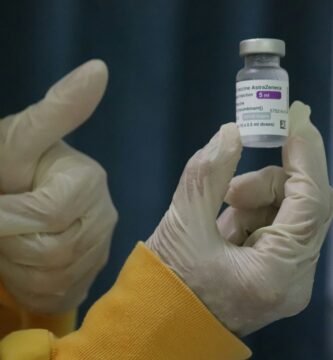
<point x="149" y="314"/>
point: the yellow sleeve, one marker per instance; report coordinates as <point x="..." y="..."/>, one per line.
<point x="13" y="317"/>
<point x="149" y="314"/>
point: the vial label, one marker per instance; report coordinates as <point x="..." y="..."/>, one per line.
<point x="262" y="107"/>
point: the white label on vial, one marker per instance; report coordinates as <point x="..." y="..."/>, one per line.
<point x="262" y="107"/>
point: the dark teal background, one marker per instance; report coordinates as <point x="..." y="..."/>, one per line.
<point x="172" y="76"/>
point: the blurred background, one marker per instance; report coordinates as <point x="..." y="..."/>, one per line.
<point x="172" y="78"/>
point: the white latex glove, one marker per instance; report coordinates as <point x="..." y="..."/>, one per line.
<point x="56" y="214"/>
<point x="256" y="264"/>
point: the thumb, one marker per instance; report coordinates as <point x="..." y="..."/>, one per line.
<point x="65" y="107"/>
<point x="207" y="175"/>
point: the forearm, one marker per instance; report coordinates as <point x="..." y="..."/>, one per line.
<point x="148" y="314"/>
<point x="14" y="317"/>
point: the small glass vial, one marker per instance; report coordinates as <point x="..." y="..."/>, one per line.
<point x="262" y="94"/>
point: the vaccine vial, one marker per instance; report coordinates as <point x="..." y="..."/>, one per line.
<point x="262" y="94"/>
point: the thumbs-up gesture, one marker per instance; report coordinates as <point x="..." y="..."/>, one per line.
<point x="56" y="214"/>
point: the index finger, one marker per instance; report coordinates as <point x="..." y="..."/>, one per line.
<point x="313" y="161"/>
<point x="303" y="219"/>
<point x="307" y="190"/>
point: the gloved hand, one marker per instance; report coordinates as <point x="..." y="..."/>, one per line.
<point x="56" y="213"/>
<point x="256" y="263"/>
